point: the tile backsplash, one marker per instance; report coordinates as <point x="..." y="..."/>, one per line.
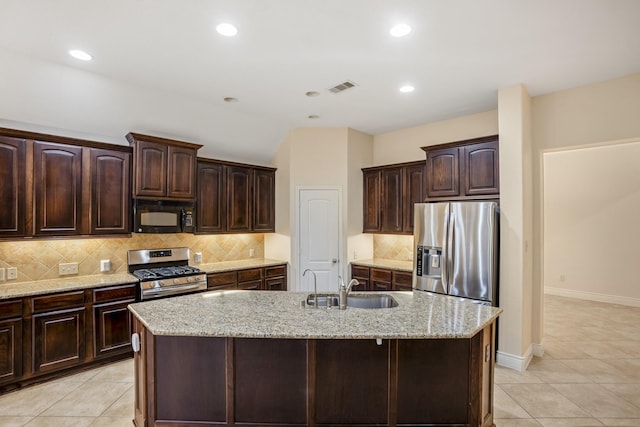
<point x="39" y="259"/>
<point x="393" y="247"/>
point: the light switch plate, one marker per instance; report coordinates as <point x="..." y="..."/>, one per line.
<point x="105" y="265"/>
<point x="65" y="269"/>
<point x="1" y="274"/>
<point x="12" y="273"/>
<point x="197" y="257"/>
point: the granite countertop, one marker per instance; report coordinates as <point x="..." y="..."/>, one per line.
<point x="385" y="263"/>
<point x="72" y="283"/>
<point x="273" y="314"/>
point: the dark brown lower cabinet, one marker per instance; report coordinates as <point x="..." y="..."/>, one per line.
<point x="195" y="381"/>
<point x="381" y="279"/>
<point x="10" y="341"/>
<point x="112" y="319"/>
<point x="46" y="335"/>
<point x="273" y="278"/>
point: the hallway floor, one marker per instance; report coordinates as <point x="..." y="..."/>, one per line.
<point x="589" y="376"/>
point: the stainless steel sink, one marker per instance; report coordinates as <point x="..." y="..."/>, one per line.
<point x="356" y="301"/>
<point x="371" y="301"/>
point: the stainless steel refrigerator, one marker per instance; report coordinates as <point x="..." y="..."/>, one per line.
<point x="456" y="249"/>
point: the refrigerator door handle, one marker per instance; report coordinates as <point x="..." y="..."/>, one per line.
<point x="450" y="250"/>
<point x="445" y="249"/>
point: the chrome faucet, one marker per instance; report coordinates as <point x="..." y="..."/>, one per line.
<point x="343" y="292"/>
<point x="315" y="289"/>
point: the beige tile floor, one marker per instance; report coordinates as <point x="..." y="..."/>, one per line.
<point x="589" y="376"/>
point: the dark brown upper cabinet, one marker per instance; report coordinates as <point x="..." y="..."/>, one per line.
<point x="163" y="169"/>
<point x="211" y="208"/>
<point x="463" y="170"/>
<point x="60" y="186"/>
<point x="12" y="187"/>
<point x="58" y="189"/>
<point x="389" y="193"/>
<point x="264" y="209"/>
<point x="110" y="186"/>
<point x="234" y="198"/>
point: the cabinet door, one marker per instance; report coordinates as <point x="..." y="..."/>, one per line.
<point x="12" y="187"/>
<point x="58" y="339"/>
<point x="151" y="169"/>
<point x="392" y="200"/>
<point x="211" y="206"/>
<point x="58" y="189"/>
<point x="401" y="280"/>
<point x="412" y="193"/>
<point x="239" y="198"/>
<point x="112" y="323"/>
<point x="380" y="279"/>
<point x="361" y="274"/>
<point x="371" y="201"/>
<point x="110" y="192"/>
<point x="10" y="349"/>
<point x="220" y="281"/>
<point x="10" y="340"/>
<point x="181" y="173"/>
<point x="443" y="173"/>
<point x="264" y="198"/>
<point x="481" y="171"/>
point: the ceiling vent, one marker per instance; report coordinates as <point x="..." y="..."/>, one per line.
<point x="342" y="87"/>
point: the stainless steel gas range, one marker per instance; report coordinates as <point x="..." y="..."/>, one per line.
<point x="164" y="272"/>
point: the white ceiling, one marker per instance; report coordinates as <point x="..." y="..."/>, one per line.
<point x="167" y="52"/>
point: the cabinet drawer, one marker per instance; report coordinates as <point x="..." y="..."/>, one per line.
<point x="277" y="271"/>
<point x="380" y="275"/>
<point x="218" y="280"/>
<point x="357" y="271"/>
<point x="402" y="278"/>
<point x="115" y="293"/>
<point x="10" y="309"/>
<point x="56" y="302"/>
<point x="250" y="275"/>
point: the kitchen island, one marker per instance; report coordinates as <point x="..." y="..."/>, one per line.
<point x="266" y="358"/>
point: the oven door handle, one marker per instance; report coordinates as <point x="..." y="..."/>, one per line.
<point x="174" y="290"/>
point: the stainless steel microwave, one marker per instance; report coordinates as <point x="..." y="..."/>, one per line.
<point x="163" y="217"/>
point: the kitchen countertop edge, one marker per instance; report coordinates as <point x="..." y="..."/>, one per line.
<point x="279" y="315"/>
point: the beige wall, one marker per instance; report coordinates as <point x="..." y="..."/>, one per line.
<point x="591" y="233"/>
<point x="404" y="145"/>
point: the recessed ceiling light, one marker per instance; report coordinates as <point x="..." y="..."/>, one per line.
<point x="230" y="99"/>
<point x="312" y="93"/>
<point x="407" y="88"/>
<point x="226" y="29"/>
<point x="313" y="116"/>
<point x="81" y="55"/>
<point x="400" y="30"/>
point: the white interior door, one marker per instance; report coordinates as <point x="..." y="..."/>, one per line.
<point x="319" y="239"/>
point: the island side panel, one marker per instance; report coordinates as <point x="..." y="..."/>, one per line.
<point x="482" y="364"/>
<point x="352" y="382"/>
<point x="190" y="380"/>
<point x="270" y="384"/>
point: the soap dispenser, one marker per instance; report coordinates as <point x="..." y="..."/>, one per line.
<point x="342" y="294"/>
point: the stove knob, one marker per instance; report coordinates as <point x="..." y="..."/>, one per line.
<point x="190" y="279"/>
<point x="176" y="281"/>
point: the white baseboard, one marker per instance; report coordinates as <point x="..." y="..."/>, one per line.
<point x="519" y="363"/>
<point x="592" y="296"/>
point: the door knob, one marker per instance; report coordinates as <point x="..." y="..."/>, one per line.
<point x="334" y="260"/>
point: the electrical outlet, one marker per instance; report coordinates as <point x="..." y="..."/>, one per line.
<point x="12" y="273"/>
<point x="1" y="274"/>
<point x="105" y="265"/>
<point x="252" y="253"/>
<point x="68" y="268"/>
<point x="197" y="257"/>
